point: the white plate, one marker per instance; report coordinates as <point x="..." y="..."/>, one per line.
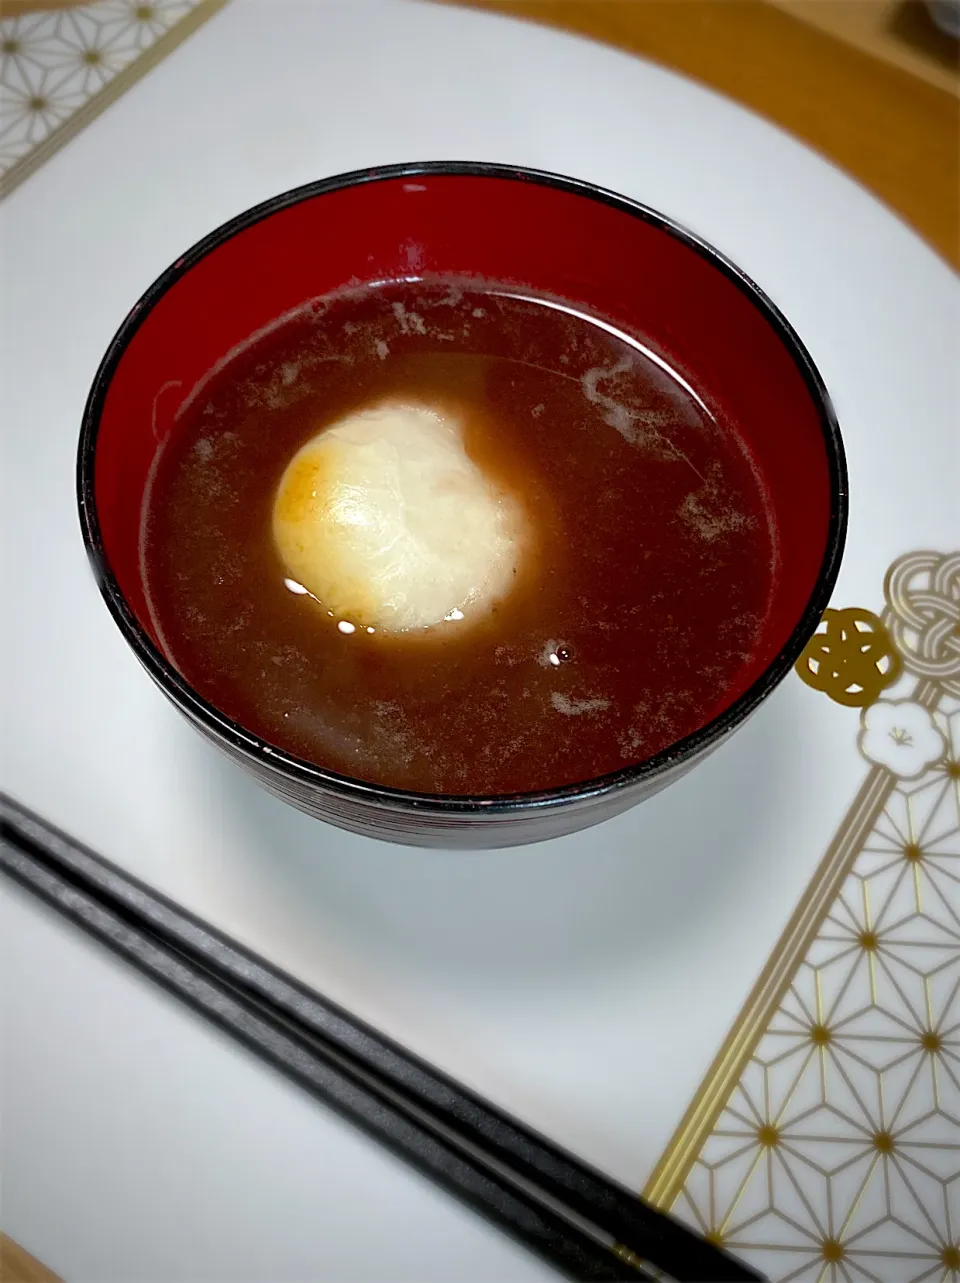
<point x="585" y="984"/>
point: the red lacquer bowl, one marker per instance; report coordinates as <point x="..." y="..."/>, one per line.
<point x="618" y="260"/>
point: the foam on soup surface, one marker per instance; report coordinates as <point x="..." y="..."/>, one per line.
<point x="450" y="537"/>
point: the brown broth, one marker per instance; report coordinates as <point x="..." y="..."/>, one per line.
<point x="631" y="620"/>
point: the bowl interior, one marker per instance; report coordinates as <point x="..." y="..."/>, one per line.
<point x="616" y="260"/>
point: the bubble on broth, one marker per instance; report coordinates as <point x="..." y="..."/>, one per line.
<point x="554" y="653"/>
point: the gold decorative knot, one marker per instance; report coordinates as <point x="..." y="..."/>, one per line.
<point x="923" y="615"/>
<point x="852" y="659"/>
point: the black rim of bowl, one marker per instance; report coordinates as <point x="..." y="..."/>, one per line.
<point x="307" y="773"/>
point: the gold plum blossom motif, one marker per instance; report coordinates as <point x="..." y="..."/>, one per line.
<point x="902" y="736"/>
<point x="832" y="1153"/>
<point x="59" y="69"/>
<point x="850" y="658"/>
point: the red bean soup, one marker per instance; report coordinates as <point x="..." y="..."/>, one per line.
<point x="610" y="378"/>
<point x="654" y="544"/>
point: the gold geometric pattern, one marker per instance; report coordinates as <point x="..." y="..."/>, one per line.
<point x="60" y="69"/>
<point x="836" y="1155"/>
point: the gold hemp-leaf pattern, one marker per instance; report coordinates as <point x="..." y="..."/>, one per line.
<point x="836" y="1156"/>
<point x="59" y="69"/>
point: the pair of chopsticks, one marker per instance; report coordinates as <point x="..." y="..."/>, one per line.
<point x="585" y="1225"/>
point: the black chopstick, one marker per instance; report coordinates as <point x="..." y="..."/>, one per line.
<point x="580" y="1220"/>
<point x="574" y="1252"/>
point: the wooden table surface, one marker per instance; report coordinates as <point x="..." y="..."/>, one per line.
<point x="892" y="129"/>
<point x="896" y="133"/>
